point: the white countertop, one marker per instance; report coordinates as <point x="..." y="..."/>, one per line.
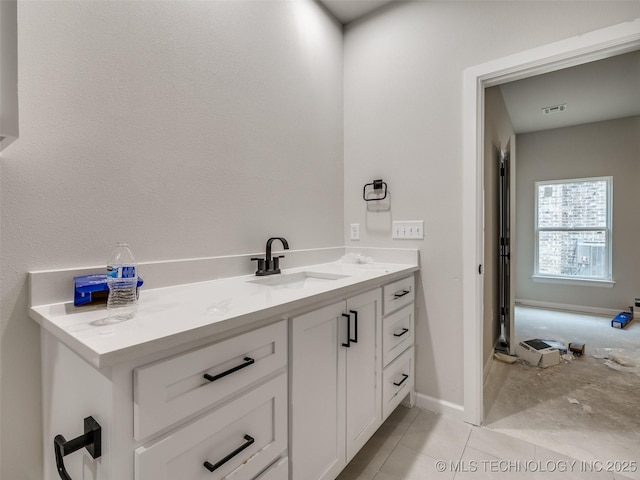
<point x="171" y="316"/>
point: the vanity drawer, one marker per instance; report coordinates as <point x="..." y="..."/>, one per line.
<point x="397" y="333"/>
<point x="238" y="440"/>
<point x="397" y="381"/>
<point x="397" y="294"/>
<point x="173" y="389"/>
<point x="277" y="471"/>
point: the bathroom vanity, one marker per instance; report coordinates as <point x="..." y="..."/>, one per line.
<point x="284" y="378"/>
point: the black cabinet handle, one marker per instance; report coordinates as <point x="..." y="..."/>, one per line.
<point x="91" y="440"/>
<point x="213" y="467"/>
<point x="247" y="361"/>
<point x="355" y="317"/>
<point x="402" y="293"/>
<point x="401" y="381"/>
<point x="348" y="317"/>
<point x="404" y="330"/>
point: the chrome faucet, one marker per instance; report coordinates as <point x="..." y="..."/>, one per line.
<point x="270" y="265"/>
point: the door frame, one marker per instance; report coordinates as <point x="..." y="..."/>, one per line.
<point x="596" y="45"/>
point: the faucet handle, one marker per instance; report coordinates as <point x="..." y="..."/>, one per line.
<point x="276" y="263"/>
<point x="260" y="265"/>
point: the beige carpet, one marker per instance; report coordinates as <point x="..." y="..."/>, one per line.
<point x="580" y="408"/>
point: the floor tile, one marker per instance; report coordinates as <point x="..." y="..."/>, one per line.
<point x="441" y="438"/>
<point x="478" y="465"/>
<point x="500" y="445"/>
<point x="367" y="462"/>
<point x="553" y="464"/>
<point x="408" y="464"/>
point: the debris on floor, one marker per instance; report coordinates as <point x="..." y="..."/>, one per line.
<point x="556" y="344"/>
<point x="573" y="400"/>
<point x="503" y="357"/>
<point x="622" y="319"/>
<point x="576" y="348"/>
<point x="620" y="359"/>
<point x="567" y="357"/>
<point x="538" y="353"/>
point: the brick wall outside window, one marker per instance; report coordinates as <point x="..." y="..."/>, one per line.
<point x="563" y="210"/>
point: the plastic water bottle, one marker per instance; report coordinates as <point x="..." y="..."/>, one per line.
<point x="122" y="279"/>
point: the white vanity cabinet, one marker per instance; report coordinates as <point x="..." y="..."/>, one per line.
<point x="286" y="384"/>
<point x="335" y="384"/>
<point x="162" y="419"/>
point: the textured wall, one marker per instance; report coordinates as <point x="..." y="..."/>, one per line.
<point x="188" y="129"/>
<point x="592" y="150"/>
<point x="403" y="123"/>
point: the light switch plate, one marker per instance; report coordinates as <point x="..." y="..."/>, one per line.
<point x="408" y="230"/>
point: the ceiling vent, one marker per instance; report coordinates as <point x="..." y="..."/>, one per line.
<point x="554" y="109"/>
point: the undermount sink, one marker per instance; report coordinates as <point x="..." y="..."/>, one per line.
<point x="298" y="280"/>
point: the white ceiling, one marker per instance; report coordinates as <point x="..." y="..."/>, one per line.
<point x="349" y="10"/>
<point x="593" y="92"/>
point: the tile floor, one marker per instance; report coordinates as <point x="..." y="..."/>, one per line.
<point x="415" y="444"/>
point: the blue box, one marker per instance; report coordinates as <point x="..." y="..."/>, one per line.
<point x="92" y="289"/>
<point x="622" y="320"/>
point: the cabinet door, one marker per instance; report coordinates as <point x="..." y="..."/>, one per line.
<point x="317" y="394"/>
<point x="363" y="371"/>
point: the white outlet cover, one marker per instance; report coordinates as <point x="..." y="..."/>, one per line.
<point x="355" y="231"/>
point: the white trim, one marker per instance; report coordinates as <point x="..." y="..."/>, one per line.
<point x="488" y="365"/>
<point x="596" y="45"/>
<point x="608" y="312"/>
<point x="578" y="282"/>
<point x="436" y="405"/>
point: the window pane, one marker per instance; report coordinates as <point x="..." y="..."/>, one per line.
<point x="574" y="204"/>
<point x="573" y="254"/>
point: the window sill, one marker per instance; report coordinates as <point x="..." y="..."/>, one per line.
<point x="582" y="282"/>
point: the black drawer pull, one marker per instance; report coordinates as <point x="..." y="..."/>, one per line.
<point x="247" y="361"/>
<point x="401" y="381"/>
<point x="404" y="330"/>
<point x="213" y="467"/>
<point x="402" y="293"/>
<point x="348" y="317"/>
<point x="355" y="317"/>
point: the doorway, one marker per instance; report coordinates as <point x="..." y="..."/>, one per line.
<point x="597" y="45"/>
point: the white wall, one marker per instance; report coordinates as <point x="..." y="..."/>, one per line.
<point x="189" y="129"/>
<point x="403" y="123"/>
<point x="592" y="150"/>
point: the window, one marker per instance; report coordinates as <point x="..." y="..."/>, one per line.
<point x="573" y="229"/>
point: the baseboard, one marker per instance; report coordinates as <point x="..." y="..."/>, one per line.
<point x="442" y="407"/>
<point x="609" y="312"/>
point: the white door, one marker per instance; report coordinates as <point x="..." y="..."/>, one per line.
<point x="363" y="370"/>
<point x="317" y="393"/>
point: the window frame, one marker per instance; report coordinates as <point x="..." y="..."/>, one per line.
<point x="606" y="281"/>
